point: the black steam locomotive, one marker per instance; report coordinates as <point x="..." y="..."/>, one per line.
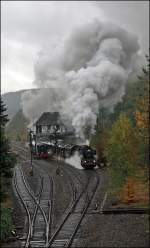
<point x="88" y="157"/>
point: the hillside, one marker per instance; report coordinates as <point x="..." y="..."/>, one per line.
<point x="17" y="127"/>
<point x="12" y="101"/>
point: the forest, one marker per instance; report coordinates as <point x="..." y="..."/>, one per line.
<point x="122" y="137"/>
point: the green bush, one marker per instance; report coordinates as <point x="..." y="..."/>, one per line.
<point x="6" y="223"/>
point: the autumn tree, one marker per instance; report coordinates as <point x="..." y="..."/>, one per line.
<point x="121" y="151"/>
<point x="142" y="113"/>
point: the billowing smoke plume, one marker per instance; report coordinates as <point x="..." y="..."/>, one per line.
<point x="86" y="70"/>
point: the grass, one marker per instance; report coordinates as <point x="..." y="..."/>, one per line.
<point x="6" y="223"/>
<point x="6" y="211"/>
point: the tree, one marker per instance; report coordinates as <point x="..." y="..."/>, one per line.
<point x="121" y="151"/>
<point x="135" y="102"/>
<point x="142" y="105"/>
<point x="7" y="158"/>
<point x="142" y="114"/>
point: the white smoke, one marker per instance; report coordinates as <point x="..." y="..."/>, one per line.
<point x="86" y="70"/>
<point x="43" y="100"/>
<point x="75" y="161"/>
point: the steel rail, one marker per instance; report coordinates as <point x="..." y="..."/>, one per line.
<point x="34" y="198"/>
<point x="74" y="203"/>
<point x="50" y="202"/>
<point x="36" y="208"/>
<point x="37" y="202"/>
<point x="74" y="191"/>
<point x="47" y="220"/>
<point x="32" y="220"/>
<point x="89" y="200"/>
<point x="26" y="208"/>
<point x="73" y="188"/>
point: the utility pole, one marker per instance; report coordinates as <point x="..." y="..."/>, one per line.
<point x="31" y="152"/>
<point x="56" y="145"/>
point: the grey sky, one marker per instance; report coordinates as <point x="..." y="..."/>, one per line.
<point x="28" y="26"/>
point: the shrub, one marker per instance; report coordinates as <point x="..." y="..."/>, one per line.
<point x="6" y="223"/>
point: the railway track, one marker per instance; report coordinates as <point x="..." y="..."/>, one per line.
<point x="74" y="187"/>
<point x="39" y="210"/>
<point x="67" y="229"/>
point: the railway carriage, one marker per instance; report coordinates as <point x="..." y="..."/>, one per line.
<point x="42" y="151"/>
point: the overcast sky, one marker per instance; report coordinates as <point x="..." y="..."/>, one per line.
<point x="28" y="26"/>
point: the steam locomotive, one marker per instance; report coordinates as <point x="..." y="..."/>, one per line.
<point x="45" y="150"/>
<point x="88" y="157"/>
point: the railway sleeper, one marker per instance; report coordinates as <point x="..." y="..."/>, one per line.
<point x="35" y="244"/>
<point x="60" y="243"/>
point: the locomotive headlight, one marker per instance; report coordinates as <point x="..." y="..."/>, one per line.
<point x="94" y="161"/>
<point x="85" y="161"/>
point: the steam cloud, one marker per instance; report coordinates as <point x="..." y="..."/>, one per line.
<point x="88" y="69"/>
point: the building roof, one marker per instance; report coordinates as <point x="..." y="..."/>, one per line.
<point x="49" y="118"/>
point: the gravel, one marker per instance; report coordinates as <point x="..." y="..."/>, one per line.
<point x="127" y="230"/>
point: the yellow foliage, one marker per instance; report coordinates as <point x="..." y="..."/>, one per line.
<point x="142" y="120"/>
<point x="122" y="148"/>
<point x="128" y="195"/>
<point x="134" y="191"/>
<point x="142" y="113"/>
